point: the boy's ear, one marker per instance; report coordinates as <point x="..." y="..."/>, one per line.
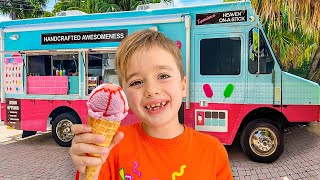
<point x="184" y="86"/>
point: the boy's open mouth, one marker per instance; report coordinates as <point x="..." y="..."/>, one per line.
<point x="154" y="107"/>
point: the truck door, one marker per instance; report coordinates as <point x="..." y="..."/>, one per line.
<point x="264" y="74"/>
<point x="219" y="81"/>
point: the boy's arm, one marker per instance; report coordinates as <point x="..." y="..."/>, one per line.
<point x="223" y="166"/>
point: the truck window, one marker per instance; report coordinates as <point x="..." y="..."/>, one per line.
<point x="68" y="63"/>
<point x="220" y="56"/>
<point x="266" y="60"/>
<point x="47" y="65"/>
<point x="39" y="65"/>
<point x="52" y="74"/>
<point x="100" y="69"/>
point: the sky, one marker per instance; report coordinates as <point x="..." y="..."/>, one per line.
<point x="177" y="3"/>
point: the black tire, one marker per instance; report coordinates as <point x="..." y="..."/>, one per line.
<point x="61" y="128"/>
<point x="265" y="148"/>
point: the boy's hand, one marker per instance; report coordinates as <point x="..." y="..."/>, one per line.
<point x="83" y="143"/>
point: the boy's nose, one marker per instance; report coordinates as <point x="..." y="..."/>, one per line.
<point x="151" y="91"/>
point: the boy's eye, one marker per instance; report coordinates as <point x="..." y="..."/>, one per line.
<point x="135" y="83"/>
<point x="163" y="76"/>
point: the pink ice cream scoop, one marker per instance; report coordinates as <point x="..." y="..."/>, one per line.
<point x="108" y="101"/>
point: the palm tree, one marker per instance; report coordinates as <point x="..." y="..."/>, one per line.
<point x="294" y="47"/>
<point x="61" y="6"/>
<point x="301" y="21"/>
<point x="38" y="7"/>
<point x="293" y="28"/>
<point x="101" y="6"/>
<point x="22" y="9"/>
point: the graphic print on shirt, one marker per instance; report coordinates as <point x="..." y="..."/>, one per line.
<point x="174" y="174"/>
<point x="123" y="175"/>
<point x="135" y="168"/>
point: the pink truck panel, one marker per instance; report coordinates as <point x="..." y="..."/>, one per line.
<point x="219" y="120"/>
<point x="302" y="113"/>
<point x="47" y="84"/>
<point x="235" y="113"/>
<point x="3" y="111"/>
<point x="35" y="113"/>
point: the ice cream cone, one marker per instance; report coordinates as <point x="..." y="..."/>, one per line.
<point x="107" y="107"/>
<point x="108" y="128"/>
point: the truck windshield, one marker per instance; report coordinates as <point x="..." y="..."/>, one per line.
<point x="266" y="63"/>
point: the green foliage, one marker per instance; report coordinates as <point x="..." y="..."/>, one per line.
<point x="22" y="9"/>
<point x="292" y="47"/>
<point x="293" y="29"/>
<point x="101" y="6"/>
<point x="61" y="6"/>
<point x="302" y="70"/>
<point x="48" y="14"/>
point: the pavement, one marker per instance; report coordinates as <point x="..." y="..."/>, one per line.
<point x="314" y="127"/>
<point x="39" y="157"/>
<point x="8" y="135"/>
<point x="300" y="159"/>
<point x="36" y="157"/>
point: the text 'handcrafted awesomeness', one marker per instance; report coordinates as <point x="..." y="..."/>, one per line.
<point x="80" y="37"/>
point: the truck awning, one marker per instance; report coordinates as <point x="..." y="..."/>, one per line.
<point x="97" y="23"/>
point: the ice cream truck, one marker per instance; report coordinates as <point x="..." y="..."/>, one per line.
<point x="235" y="84"/>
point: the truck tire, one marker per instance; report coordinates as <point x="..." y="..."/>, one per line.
<point x="262" y="141"/>
<point x="61" y="128"/>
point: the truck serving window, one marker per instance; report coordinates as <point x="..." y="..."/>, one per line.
<point x="266" y="60"/>
<point x="220" y="56"/>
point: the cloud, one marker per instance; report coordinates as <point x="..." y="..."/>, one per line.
<point x="178" y="3"/>
<point x="4" y="18"/>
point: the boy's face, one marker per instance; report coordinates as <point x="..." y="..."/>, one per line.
<point x="154" y="87"/>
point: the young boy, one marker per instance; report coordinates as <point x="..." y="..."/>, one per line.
<point x="150" y="71"/>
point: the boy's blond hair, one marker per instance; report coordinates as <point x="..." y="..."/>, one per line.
<point x="143" y="40"/>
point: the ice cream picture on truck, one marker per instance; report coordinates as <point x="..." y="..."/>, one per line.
<point x="235" y="85"/>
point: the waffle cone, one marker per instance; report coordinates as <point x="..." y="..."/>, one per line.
<point x="107" y="128"/>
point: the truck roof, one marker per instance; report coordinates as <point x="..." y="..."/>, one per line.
<point x="217" y="7"/>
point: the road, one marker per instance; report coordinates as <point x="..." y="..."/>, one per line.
<point x="39" y="157"/>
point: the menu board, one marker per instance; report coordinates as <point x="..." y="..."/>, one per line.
<point x="13" y="113"/>
<point x="13" y="76"/>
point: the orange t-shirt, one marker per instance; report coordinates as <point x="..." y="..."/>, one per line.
<point x="191" y="155"/>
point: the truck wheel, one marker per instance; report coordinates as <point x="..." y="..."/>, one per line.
<point x="61" y="128"/>
<point x="262" y="141"/>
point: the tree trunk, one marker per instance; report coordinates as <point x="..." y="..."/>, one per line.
<point x="13" y="15"/>
<point x="314" y="71"/>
